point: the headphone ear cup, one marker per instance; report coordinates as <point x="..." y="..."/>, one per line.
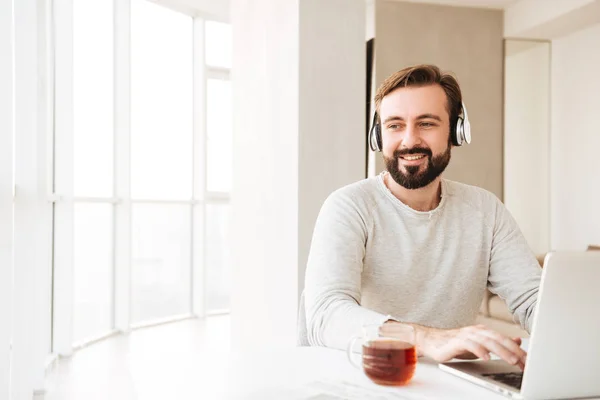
<point x="378" y="137"/>
<point x="467" y="131"/>
<point x="458" y="133"/>
<point x="375" y="135"/>
<point x="375" y="138"/>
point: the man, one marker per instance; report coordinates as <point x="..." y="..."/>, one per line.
<point x="409" y="247"/>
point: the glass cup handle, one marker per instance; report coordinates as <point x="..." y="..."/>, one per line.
<point x="349" y="352"/>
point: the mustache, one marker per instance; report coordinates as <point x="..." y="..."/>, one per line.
<point x="413" y="150"/>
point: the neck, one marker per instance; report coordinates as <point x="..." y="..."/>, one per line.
<point x="426" y="198"/>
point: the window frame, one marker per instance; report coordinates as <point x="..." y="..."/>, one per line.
<point x="62" y="198"/>
<point x="213" y="197"/>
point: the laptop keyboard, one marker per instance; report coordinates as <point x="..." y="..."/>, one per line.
<point x="513" y="379"/>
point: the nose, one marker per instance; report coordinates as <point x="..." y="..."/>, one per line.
<point x="411" y="137"/>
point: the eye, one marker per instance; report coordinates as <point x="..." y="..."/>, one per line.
<point x="393" y="127"/>
<point x="427" y="124"/>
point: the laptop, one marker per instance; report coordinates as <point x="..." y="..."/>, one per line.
<point x="563" y="359"/>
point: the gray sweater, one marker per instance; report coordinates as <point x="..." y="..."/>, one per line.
<point x="372" y="257"/>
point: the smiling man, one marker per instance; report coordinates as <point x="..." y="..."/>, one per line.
<point x="409" y="247"/>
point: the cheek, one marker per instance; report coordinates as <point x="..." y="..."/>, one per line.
<point x="388" y="151"/>
<point x="438" y="143"/>
<point x="390" y="144"/>
<point x="441" y="146"/>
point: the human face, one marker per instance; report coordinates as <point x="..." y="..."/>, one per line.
<point x="415" y="128"/>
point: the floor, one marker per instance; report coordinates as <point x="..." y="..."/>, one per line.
<point x="172" y="361"/>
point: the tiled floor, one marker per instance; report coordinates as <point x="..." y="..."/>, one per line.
<point x="179" y="360"/>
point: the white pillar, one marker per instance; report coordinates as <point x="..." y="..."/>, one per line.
<point x="32" y="212"/>
<point x="299" y="133"/>
<point x="122" y="138"/>
<point x="6" y="191"/>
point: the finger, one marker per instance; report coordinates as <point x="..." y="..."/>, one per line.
<point x="475" y="348"/>
<point x="517" y="340"/>
<point x="508" y="343"/>
<point x="490" y="344"/>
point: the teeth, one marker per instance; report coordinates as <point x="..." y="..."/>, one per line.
<point x="411" y="158"/>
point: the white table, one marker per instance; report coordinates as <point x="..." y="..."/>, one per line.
<point x="318" y="373"/>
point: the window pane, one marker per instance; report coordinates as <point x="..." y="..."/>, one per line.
<point x="161" y="268"/>
<point x="161" y="102"/>
<point x="219" y="135"/>
<point x="93" y="98"/>
<point x="93" y="271"/>
<point x="218" y="44"/>
<point x="218" y="268"/>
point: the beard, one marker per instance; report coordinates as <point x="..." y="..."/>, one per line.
<point x="412" y="177"/>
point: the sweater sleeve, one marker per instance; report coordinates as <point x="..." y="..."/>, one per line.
<point x="514" y="272"/>
<point x="333" y="275"/>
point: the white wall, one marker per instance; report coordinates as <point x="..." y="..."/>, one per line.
<point x="6" y="188"/>
<point x="575" y="140"/>
<point x="298" y="81"/>
<point x="549" y="19"/>
<point x="264" y="196"/>
<point x="370" y="27"/>
<point x="332" y="90"/>
<point x="527" y="139"/>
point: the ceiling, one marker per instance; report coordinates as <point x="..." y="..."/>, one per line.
<point x="498" y="4"/>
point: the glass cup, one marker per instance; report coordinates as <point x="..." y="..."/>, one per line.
<point x="387" y="359"/>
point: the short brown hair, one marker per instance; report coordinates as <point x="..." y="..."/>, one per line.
<point x="424" y="75"/>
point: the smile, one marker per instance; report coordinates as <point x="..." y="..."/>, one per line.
<point x="412" y="158"/>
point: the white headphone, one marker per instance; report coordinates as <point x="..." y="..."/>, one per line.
<point x="463" y="128"/>
<point x="460" y="135"/>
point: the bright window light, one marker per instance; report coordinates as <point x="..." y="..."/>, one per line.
<point x="93" y="98"/>
<point x="219" y="134"/>
<point x="93" y="274"/>
<point x="218" y="44"/>
<point x="161" y="261"/>
<point x="161" y="102"/>
<point x="218" y="269"/>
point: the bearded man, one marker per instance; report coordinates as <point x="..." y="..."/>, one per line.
<point x="408" y="247"/>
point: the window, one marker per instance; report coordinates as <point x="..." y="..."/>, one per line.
<point x="161" y="161"/>
<point x="150" y="160"/>
<point x="93" y="140"/>
<point x="218" y="44"/>
<point x="161" y="103"/>
<point x="93" y="277"/>
<point x="93" y="98"/>
<point x="218" y="272"/>
<point x="161" y="261"/>
<point x="219" y="135"/>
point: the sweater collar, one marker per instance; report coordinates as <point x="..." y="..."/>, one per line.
<point x="422" y="214"/>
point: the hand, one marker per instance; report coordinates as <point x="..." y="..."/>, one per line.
<point x="468" y="342"/>
<point x="470" y="356"/>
